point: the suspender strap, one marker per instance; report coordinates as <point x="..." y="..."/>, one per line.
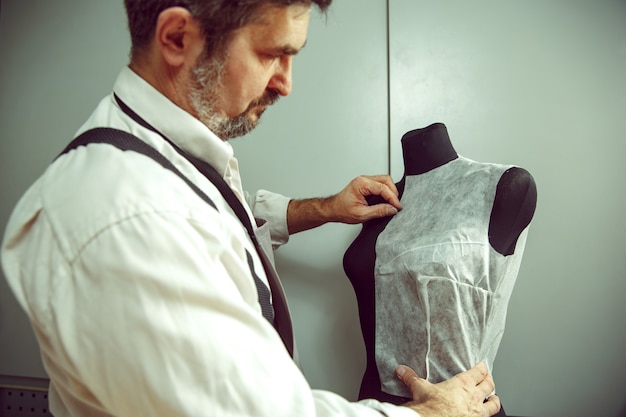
<point x="125" y="141"/>
<point x="205" y="168"/>
<point x="278" y="315"/>
<point x="282" y="318"/>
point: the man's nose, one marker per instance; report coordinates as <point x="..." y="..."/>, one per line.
<point x="281" y="81"/>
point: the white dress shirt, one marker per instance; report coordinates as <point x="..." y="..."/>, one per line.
<point x="140" y="294"/>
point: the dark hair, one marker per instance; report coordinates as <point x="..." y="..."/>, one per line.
<point x="218" y="18"/>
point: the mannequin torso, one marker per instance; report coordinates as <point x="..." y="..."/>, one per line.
<point x="423" y="151"/>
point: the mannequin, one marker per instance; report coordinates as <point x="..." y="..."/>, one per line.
<point x="508" y="197"/>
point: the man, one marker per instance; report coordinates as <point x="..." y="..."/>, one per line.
<point x="147" y="300"/>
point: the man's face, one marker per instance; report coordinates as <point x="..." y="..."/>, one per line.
<point x="230" y="94"/>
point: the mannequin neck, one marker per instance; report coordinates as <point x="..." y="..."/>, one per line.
<point x="426" y="149"/>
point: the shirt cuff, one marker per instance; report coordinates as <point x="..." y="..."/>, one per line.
<point x="271" y="207"/>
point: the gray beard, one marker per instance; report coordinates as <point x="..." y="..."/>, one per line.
<point x="206" y="78"/>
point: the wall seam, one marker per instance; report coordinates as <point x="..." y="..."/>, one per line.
<point x="388" y="34"/>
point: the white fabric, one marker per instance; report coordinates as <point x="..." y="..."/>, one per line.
<point x="442" y="291"/>
<point x="139" y="292"/>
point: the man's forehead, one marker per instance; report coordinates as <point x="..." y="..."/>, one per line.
<point x="285" y="27"/>
<point x="267" y="13"/>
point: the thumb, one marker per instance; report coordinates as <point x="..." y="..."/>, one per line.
<point x="379" y="210"/>
<point x="419" y="387"/>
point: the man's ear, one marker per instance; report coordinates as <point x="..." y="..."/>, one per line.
<point x="178" y="36"/>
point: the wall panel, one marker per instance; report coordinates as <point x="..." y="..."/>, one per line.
<point x="541" y="85"/>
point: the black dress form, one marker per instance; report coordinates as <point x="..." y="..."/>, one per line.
<point x="423" y="150"/>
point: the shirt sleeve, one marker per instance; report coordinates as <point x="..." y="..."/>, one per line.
<point x="273" y="208"/>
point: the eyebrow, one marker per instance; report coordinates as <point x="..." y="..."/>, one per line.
<point x="288" y="50"/>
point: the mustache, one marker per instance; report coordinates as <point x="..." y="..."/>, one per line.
<point x="267" y="99"/>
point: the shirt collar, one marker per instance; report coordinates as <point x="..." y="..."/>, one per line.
<point x="173" y="122"/>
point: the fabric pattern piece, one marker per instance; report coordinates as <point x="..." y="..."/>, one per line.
<point x="442" y="291"/>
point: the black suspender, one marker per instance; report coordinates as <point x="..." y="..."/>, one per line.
<point x="126" y="141"/>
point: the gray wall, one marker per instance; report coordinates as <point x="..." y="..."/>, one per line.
<point x="537" y="84"/>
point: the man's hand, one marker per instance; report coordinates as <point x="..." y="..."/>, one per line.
<point x="351" y="207"/>
<point x="463" y="395"/>
<point x="348" y="206"/>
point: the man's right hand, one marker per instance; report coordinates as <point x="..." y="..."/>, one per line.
<point x="463" y="395"/>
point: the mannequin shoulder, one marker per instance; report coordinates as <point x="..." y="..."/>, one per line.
<point x="513" y="208"/>
<point x="516" y="188"/>
<point x="517" y="177"/>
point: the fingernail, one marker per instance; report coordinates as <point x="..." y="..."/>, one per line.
<point x="391" y="211"/>
<point x="400" y="370"/>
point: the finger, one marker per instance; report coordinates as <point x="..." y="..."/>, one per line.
<point x="475" y="375"/>
<point x="492" y="405"/>
<point x="486" y="386"/>
<point x="377" y="211"/>
<point x="414" y="383"/>
<point x="386" y="179"/>
<point x="382" y="189"/>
